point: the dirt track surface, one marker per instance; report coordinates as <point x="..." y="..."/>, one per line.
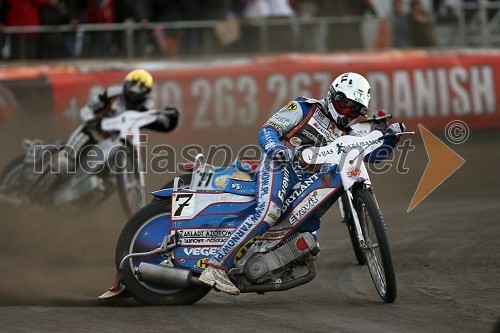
<point x="446" y="252"/>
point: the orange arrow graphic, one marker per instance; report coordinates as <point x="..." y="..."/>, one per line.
<point x="443" y="162"/>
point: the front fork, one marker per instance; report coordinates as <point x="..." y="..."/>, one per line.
<point x="142" y="181"/>
<point x="355" y="218"/>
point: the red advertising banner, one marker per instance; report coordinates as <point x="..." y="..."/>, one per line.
<point x="236" y="97"/>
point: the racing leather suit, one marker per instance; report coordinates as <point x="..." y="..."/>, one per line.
<point x="301" y="123"/>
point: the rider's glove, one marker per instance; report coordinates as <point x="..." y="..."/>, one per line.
<point x="171" y="118"/>
<point x="164" y="120"/>
<point x="380" y="125"/>
<point x="171" y="112"/>
<point x="397" y="128"/>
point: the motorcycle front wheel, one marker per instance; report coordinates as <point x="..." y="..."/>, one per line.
<point x="131" y="191"/>
<point x="349" y="222"/>
<point x="376" y="249"/>
<point x="144" y="232"/>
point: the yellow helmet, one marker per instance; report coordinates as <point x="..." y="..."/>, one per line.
<point x="137" y="86"/>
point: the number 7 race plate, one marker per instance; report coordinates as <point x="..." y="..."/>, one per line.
<point x="183" y="204"/>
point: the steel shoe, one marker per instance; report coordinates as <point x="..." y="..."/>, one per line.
<point x="219" y="280"/>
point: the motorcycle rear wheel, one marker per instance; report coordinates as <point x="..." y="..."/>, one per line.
<point x="145" y="292"/>
<point x="377" y="251"/>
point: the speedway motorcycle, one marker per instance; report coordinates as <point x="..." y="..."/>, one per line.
<point x="163" y="248"/>
<point x="202" y="176"/>
<point x="40" y="176"/>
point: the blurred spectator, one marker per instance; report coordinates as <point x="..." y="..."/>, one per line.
<point x="346" y="36"/>
<point x="236" y="7"/>
<point x="311" y="37"/>
<point x="140" y="12"/>
<point x="211" y="10"/>
<point x="100" y="11"/>
<point x="421" y="26"/>
<point x="278" y="34"/>
<point x="267" y="9"/>
<point x="165" y="11"/>
<point x="77" y="12"/>
<point x="54" y="12"/>
<point x="306" y="8"/>
<point x="23" y="13"/>
<point x="174" y="41"/>
<point x="447" y="10"/>
<point x="399" y="25"/>
<point x="252" y="11"/>
<point x="3" y="11"/>
<point x="102" y="42"/>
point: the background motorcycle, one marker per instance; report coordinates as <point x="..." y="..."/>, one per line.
<point x="164" y="246"/>
<point x="114" y="165"/>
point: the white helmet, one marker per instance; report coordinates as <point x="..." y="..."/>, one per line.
<point x="348" y="98"/>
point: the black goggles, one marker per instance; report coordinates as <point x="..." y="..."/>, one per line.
<point x="348" y="107"/>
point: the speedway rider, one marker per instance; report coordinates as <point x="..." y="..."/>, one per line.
<point x="301" y="123"/>
<point x="132" y="95"/>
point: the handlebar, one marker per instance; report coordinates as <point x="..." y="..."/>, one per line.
<point x="168" y="112"/>
<point x="387" y="136"/>
<point x="374" y="118"/>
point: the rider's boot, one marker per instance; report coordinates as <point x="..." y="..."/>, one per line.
<point x="219" y="280"/>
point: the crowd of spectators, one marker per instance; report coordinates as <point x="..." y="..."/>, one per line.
<point x="414" y="27"/>
<point x="152" y="38"/>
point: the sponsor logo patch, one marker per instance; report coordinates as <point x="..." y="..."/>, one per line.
<point x="291" y="106"/>
<point x="202" y="263"/>
<point x="359" y="96"/>
<point x="203" y="236"/>
<point x="200" y="251"/>
<point x="353" y="173"/>
<point x="304" y="207"/>
<point x="274" y="234"/>
<point x="241" y="253"/>
<point x="295" y="141"/>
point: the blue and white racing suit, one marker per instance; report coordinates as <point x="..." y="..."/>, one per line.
<point x="301" y="123"/>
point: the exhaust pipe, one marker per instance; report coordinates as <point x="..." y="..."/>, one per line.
<point x="183" y="278"/>
<point x="268" y="287"/>
<point x="169" y="276"/>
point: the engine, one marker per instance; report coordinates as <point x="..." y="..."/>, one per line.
<point x="295" y="250"/>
